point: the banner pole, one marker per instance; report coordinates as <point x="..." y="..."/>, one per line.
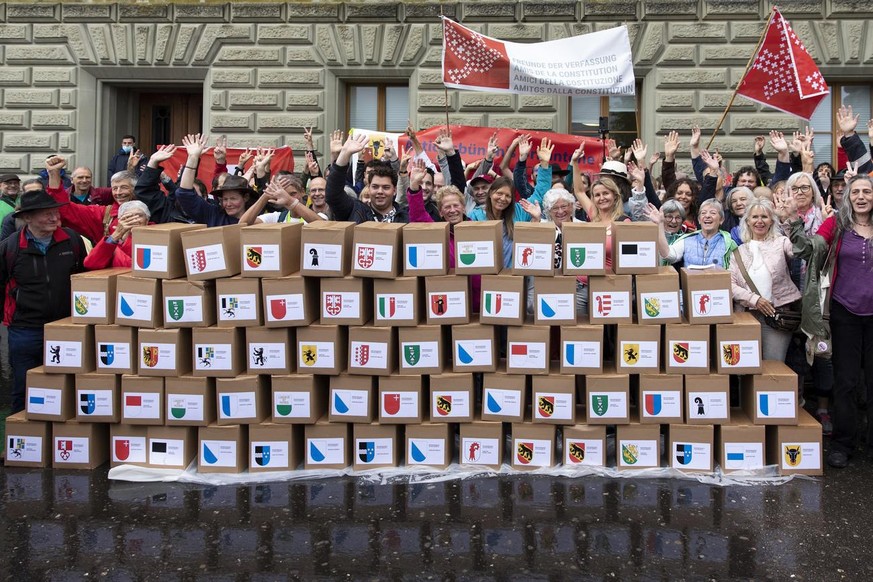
<point x="445" y="89"/>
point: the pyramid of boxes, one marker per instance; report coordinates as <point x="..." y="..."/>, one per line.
<point x="329" y="345"/>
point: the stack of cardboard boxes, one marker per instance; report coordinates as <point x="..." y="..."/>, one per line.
<point x="270" y="347"/>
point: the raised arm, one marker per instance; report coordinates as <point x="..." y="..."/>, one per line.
<point x="417" y="211"/>
<point x="339" y="203"/>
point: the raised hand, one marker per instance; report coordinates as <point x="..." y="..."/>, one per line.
<point x="307" y="139"/>
<point x="417" y="172"/>
<point x="759" y="145"/>
<point x="710" y="161"/>
<point x="613" y="150"/>
<point x="406" y="157"/>
<point x="277" y="194"/>
<point x="532" y="208"/>
<point x="133" y="159"/>
<point x="637" y="174"/>
<point x="311" y="164"/>
<point x="578" y="154"/>
<point x="640" y="151"/>
<point x="336" y="143"/>
<point x="389" y="154"/>
<point x="163" y="154"/>
<point x="262" y="159"/>
<point x="827" y="209"/>
<point x="195" y="144"/>
<point x="544" y="152"/>
<point x="695" y="137"/>
<point x="807" y="156"/>
<point x="55" y="164"/>
<point x="444" y="142"/>
<point x="524" y="146"/>
<point x="851" y="170"/>
<point x="777" y="140"/>
<point x="671" y="146"/>
<point x="847" y="120"/>
<point x="220" y="151"/>
<point x="653" y="214"/>
<point x="246" y="155"/>
<point x="654" y="159"/>
<point x="786" y="206"/>
<point x="491" y="149"/>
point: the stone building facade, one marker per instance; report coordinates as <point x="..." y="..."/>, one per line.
<point x="266" y="69"/>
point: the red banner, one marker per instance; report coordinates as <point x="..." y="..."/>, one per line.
<point x="283" y="159"/>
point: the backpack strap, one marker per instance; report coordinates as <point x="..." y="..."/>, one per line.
<point x="283" y="216"/>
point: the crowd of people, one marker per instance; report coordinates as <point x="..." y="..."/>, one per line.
<point x="796" y="241"/>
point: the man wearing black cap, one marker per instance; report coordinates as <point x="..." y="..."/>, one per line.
<point x="10" y="186"/>
<point x="35" y="268"/>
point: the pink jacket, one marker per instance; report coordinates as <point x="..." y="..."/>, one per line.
<point x="776" y="253"/>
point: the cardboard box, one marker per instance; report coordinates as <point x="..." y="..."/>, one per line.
<point x="346" y="301"/>
<point x="584" y="248"/>
<point x="376" y="250"/>
<point x="660" y="398"/>
<point x="212" y="253"/>
<point x="116" y="349"/>
<point x="423" y="349"/>
<point x="321" y="349"/>
<point x="609" y="299"/>
<point x="190" y="401"/>
<point x="79" y="445"/>
<point x="658" y="299"/>
<point x="142" y="400"/>
<point x="239" y="302"/>
<point x="582" y="349"/>
<point x="553" y="399"/>
<point x="164" y="352"/>
<point x="482" y="444"/>
<point x="771" y="396"/>
<point x="638" y="348"/>
<point x="607" y="398"/>
<point x="686" y="349"/>
<point x="504" y="396"/>
<point x="157" y="249"/>
<point x="691" y="448"/>
<point x="635" y="248"/>
<point x="218" y="352"/>
<point x="707" y="295"/>
<point x="429" y="444"/>
<point x="797" y="450"/>
<point x="299" y="399"/>
<point x="738" y="345"/>
<point x="28" y="442"/>
<point x="554" y="300"/>
<point x="372" y="350"/>
<point x="222" y="448"/>
<point x="138" y="302"/>
<point x="425" y="249"/>
<point x="398" y="302"/>
<point x="377" y="446"/>
<point x="94" y="295"/>
<point x="49" y="396"/>
<point x="402" y="399"/>
<point x="502" y="299"/>
<point x="171" y="447"/>
<point x="479" y="247"/>
<point x="326" y="249"/>
<point x="740" y="444"/>
<point x="328" y="445"/>
<point x="98" y="397"/>
<point x="242" y="400"/>
<point x="451" y="398"/>
<point x="188" y="303"/>
<point x="584" y="446"/>
<point x="638" y="446"/>
<point x="707" y="399"/>
<point x="69" y="347"/>
<point x="291" y="301"/>
<point x="270" y="250"/>
<point x="533" y="249"/>
<point x="474" y="348"/>
<point x="527" y="350"/>
<point x="352" y="399"/>
<point x="128" y="445"/>
<point x="270" y="351"/>
<point x="533" y="446"/>
<point x="275" y="447"/>
<point x="448" y="299"/>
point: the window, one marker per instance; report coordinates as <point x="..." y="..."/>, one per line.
<point x="622" y="110"/>
<point x="382" y="107"/>
<point x="824" y="120"/>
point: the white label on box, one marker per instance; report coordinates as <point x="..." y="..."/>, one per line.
<point x="350" y="402"/>
<point x="608" y="404"/>
<point x="473" y="353"/>
<point x="340" y="305"/>
<point x="502" y="402"/>
<point x="167" y="452"/>
<point x="273" y="454"/>
<point x="711" y="303"/>
<point x="237" y="405"/>
<point x="424" y="256"/>
<point x="638" y="453"/>
<point x="141" y="405"/>
<point x="134" y="306"/>
<point x="583" y="452"/>
<point x="426" y="451"/>
<point x="610" y="304"/>
<point x="659" y="305"/>
<point x="667" y="403"/>
<point x="269" y="355"/>
<point x="372" y="257"/>
<point x="528" y="355"/>
<point x="688" y="354"/>
<point x="801" y="455"/>
<point x="89" y="304"/>
<point x="238" y="307"/>
<point x="218" y="453"/>
<point x="184" y="309"/>
<point x="261" y="257"/>
<point x="532" y="452"/>
<point x="740" y="354"/>
<point x="322" y="257"/>
<point x="400" y="404"/>
<point x="71" y="449"/>
<point x="637" y="254"/>
<point x="581" y="354"/>
<point x="44" y="401"/>
<point x="476" y="253"/>
<point x="369" y="355"/>
<point x="639" y="354"/>
<point x="505" y="304"/>
<point x="206" y="259"/>
<point x="556" y="306"/>
<point x="158" y="356"/>
<point x="395" y="306"/>
<point x="63" y="353"/>
<point x="375" y="451"/>
<point x="534" y="256"/>
<point x="585" y="255"/>
<point x="419" y="355"/>
<point x="24" y="449"/>
<point x="213" y="357"/>
<point x="128" y="449"/>
<point x="777" y="404"/>
<point x="707" y="405"/>
<point x="449" y="304"/>
<point x="740" y="456"/>
<point x="480" y="451"/>
<point x="150" y="257"/>
<point x="316" y="354"/>
<point x="291" y="404"/>
<point x="95" y="402"/>
<point x="113" y="355"/>
<point x="285" y="307"/>
<point x="451" y="404"/>
<point x="695" y="456"/>
<point x="185" y="407"/>
<point x="325" y="451"/>
<point x="553" y="405"/>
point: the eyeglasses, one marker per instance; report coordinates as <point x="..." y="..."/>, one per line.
<point x="560" y="207"/>
<point x="805" y="189"/>
<point x="672" y="218"/>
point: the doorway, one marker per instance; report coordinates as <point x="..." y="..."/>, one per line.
<point x="165" y="117"/>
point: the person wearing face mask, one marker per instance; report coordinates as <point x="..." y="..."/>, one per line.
<point x="706" y="247"/>
<point x="122" y="159"/>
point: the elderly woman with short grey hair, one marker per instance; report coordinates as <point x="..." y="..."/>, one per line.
<point x="702" y="248"/>
<point x="115" y="250"/>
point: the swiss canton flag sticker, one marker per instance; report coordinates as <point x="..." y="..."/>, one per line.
<point x="198" y="260"/>
<point x="366" y="257"/>
<point x="471" y="59"/>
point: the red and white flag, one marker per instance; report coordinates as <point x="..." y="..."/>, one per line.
<point x="783" y="75"/>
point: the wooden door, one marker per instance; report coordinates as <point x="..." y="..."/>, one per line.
<point x="165" y="117"/>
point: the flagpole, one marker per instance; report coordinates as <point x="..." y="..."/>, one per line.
<point x="445" y="89"/>
<point x="737" y="88"/>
